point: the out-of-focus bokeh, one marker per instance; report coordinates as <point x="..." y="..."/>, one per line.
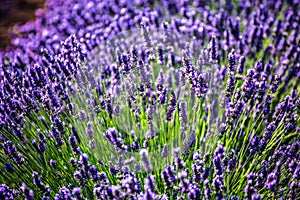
<point x="14" y="12"/>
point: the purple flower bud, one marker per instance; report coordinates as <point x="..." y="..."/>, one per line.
<point x="271" y="181"/>
<point x="213" y="51"/>
<point x="188" y="143"/>
<point x="146" y="35"/>
<point x="194" y="192"/>
<point x="160" y="81"/>
<point x="232" y="60"/>
<point x="171" y="106"/>
<point x="64" y="193"/>
<point x="83" y="159"/>
<point x="160" y="54"/>
<point x="183" y="115"/>
<point x="275" y="83"/>
<point x="75" y="148"/>
<point x="269" y="130"/>
<point x="207" y="192"/>
<point x="6" y="192"/>
<point x="150" y="185"/>
<point x="145" y="159"/>
<point x="168" y="175"/>
<point x="37" y="181"/>
<point x="8" y="167"/>
<point x="115" y="138"/>
<point x="53" y="163"/>
<point x="218" y="184"/>
<point x="223" y="127"/>
<point x="76" y="192"/>
<point x="27" y="192"/>
<point x="230" y="87"/>
<point x="241" y="66"/>
<point x="249" y="189"/>
<point x="165" y="152"/>
<point x="163" y="96"/>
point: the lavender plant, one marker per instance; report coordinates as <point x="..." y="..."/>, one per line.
<point x="152" y="100"/>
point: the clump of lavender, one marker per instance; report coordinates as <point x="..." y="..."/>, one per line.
<point x="108" y="100"/>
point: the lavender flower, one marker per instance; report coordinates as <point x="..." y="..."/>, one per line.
<point x="76" y="192"/>
<point x="232" y="61"/>
<point x="270" y="128"/>
<point x="160" y="54"/>
<point x="183" y="115"/>
<point x="241" y="65"/>
<point x="6" y="192"/>
<point x="64" y="193"/>
<point x="75" y="148"/>
<point x="150" y="188"/>
<point x="168" y="175"/>
<point x="213" y="52"/>
<point x="115" y="138"/>
<point x="165" y="152"/>
<point x="27" y="192"/>
<point x="8" y="167"/>
<point x="146" y="160"/>
<point x="250" y="191"/>
<point x="171" y="106"/>
<point x="37" y="181"/>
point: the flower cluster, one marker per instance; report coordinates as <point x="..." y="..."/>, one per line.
<point x="152" y="100"/>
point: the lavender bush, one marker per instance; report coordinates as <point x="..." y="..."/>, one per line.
<point x="152" y="100"/>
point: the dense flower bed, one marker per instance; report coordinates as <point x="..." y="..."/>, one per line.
<point x="152" y="100"/>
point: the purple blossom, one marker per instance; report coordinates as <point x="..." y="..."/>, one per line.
<point x="275" y="83"/>
<point x="29" y="194"/>
<point x="197" y="168"/>
<point x="188" y="143"/>
<point x="250" y="190"/>
<point x="76" y="192"/>
<point x="53" y="163"/>
<point x="208" y="191"/>
<point x="9" y="167"/>
<point x="64" y="193"/>
<point x="150" y="188"/>
<point x="183" y="114"/>
<point x="271" y="181"/>
<point x="213" y="51"/>
<point x="146" y="160"/>
<point x="171" y="106"/>
<point x="115" y="138"/>
<point x="37" y="181"/>
<point x="218" y="157"/>
<point x="6" y="192"/>
<point x="218" y="185"/>
<point x="11" y="152"/>
<point x="169" y="176"/>
<point x="75" y="148"/>
<point x="241" y="65"/>
<point x="179" y="163"/>
<point x="165" y="151"/>
<point x="194" y="192"/>
<point x="270" y="128"/>
<point x="232" y="61"/>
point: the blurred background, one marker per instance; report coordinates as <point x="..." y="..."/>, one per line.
<point x="14" y="12"/>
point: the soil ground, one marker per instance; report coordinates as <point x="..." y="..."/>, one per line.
<point x="14" y="12"/>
